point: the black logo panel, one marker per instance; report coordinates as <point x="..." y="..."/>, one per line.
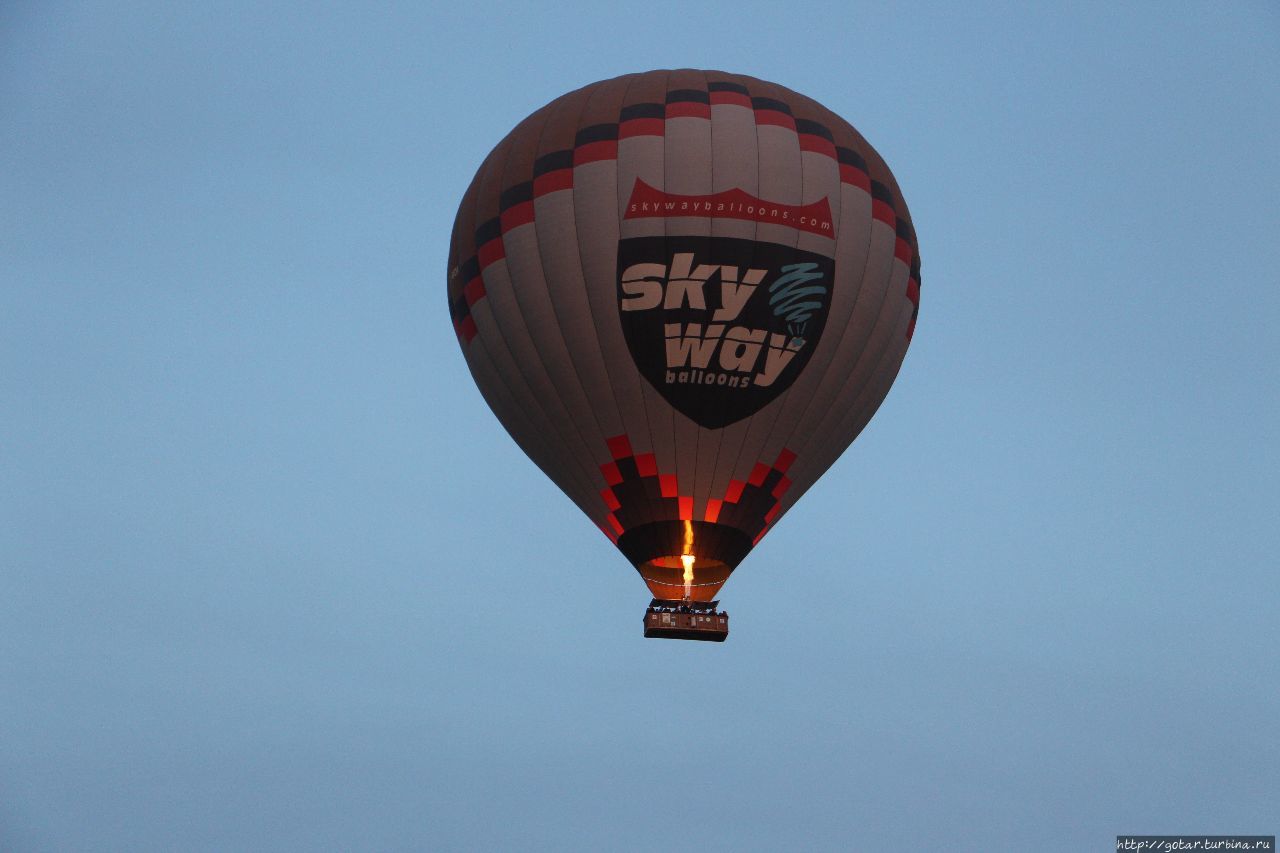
<point x="721" y="326"/>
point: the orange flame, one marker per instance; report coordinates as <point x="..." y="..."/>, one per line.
<point x="687" y="558"/>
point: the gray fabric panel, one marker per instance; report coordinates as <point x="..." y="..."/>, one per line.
<point x="778" y="150"/>
<point x="821" y="180"/>
<point x="809" y="400"/>
<point x="644" y="158"/>
<point x="780" y="178"/>
<point x="859" y="415"/>
<point x="572" y="458"/>
<point x="855" y="335"/>
<point x="558" y="243"/>
<point x="561" y="260"/>
<point x="841" y="343"/>
<point x="493" y="365"/>
<point x="688" y="172"/>
<point x="736" y="166"/>
<point x="513" y="418"/>
<point x="524" y="263"/>
<point x="866" y="386"/>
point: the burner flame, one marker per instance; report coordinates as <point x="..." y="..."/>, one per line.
<point x="688" y="559"/>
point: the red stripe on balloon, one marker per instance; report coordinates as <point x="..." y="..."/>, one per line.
<point x="818" y="145"/>
<point x="737" y="99"/>
<point x="688" y="109"/>
<point x="782" y="486"/>
<point x="610" y="499"/>
<point x="785" y="458"/>
<point x="514" y="217"/>
<point x="902" y="251"/>
<point x="713" y="511"/>
<point x="774" y="117"/>
<point x="667" y="485"/>
<point x="882" y="211"/>
<point x="595" y="151"/>
<point x="474" y="291"/>
<point x="642" y="127"/>
<point x="619" y="446"/>
<point x="647" y="465"/>
<point x="612" y="475"/>
<point x="758" y="474"/>
<point x="466" y="328"/>
<point x="734" y="492"/>
<point x="854" y="176"/>
<point x="491" y="252"/>
<point x="560" y="179"/>
<point x="686" y="508"/>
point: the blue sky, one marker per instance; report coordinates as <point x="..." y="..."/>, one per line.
<point x="274" y="577"/>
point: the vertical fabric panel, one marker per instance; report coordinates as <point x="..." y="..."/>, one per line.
<point x="735" y="166"/>
<point x="780" y="182"/>
<point x="688" y="172"/>
<point x="503" y="372"/>
<point x="512" y="324"/>
<point x="555" y="374"/>
<point x="641" y="157"/>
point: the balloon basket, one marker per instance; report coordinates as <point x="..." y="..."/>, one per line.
<point x="668" y="619"/>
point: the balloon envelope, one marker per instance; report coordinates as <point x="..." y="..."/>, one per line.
<point x="684" y="293"/>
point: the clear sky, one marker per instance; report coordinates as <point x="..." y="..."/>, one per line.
<point x="273" y="577"/>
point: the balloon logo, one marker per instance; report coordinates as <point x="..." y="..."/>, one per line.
<point x="684" y="294"/>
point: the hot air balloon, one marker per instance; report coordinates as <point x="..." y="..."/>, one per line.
<point x="684" y="293"/>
